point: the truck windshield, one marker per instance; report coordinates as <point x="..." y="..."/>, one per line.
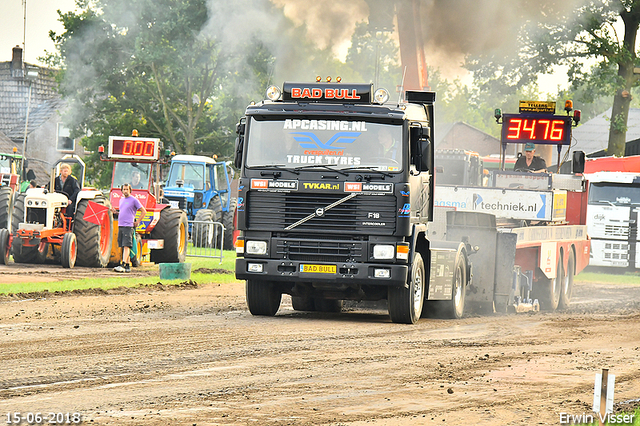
<point x="340" y="144"/>
<point x="614" y="194"/>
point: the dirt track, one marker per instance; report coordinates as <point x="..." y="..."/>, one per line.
<point x="194" y="355"/>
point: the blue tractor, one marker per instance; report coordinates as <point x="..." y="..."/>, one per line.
<point x="201" y="187"/>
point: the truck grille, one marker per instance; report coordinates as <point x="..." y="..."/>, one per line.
<point x="363" y="214"/>
<point x="320" y="251"/>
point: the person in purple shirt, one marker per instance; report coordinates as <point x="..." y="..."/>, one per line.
<point x="127" y="224"/>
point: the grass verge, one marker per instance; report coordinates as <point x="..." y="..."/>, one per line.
<point x="203" y="270"/>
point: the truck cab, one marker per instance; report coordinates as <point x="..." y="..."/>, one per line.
<point x="334" y="200"/>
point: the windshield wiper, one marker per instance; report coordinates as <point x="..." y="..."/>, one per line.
<point x="606" y="202"/>
<point x="368" y="168"/>
<point x="276" y="166"/>
<point x="324" y="166"/>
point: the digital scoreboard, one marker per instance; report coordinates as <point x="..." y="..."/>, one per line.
<point x="536" y="128"/>
<point x="134" y="148"/>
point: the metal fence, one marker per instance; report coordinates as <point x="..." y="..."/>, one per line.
<point x="206" y="239"/>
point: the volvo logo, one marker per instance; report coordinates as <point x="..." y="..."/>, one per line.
<point x="320" y="212"/>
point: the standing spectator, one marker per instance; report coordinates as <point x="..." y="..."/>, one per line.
<point x="127" y="224"/>
<point x="67" y="184"/>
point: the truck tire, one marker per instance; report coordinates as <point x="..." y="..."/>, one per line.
<point x="17" y="217"/>
<point x="227" y="221"/>
<point x="68" y="250"/>
<point x="262" y="298"/>
<point x="405" y="304"/>
<point x="202" y="233"/>
<point x="548" y="291"/>
<point x="93" y="241"/>
<point x="455" y="307"/>
<point x="567" y="284"/>
<point x="5" y="248"/>
<point x="328" y="305"/>
<point x="172" y="228"/>
<point x="303" y="303"/>
<point x="6" y="206"/>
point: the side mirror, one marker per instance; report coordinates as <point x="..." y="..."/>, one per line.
<point x="578" y="162"/>
<point x="237" y="160"/>
<point x="425" y="157"/>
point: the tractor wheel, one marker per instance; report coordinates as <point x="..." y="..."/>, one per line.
<point x="69" y="250"/>
<point x="227" y="221"/>
<point x="202" y="230"/>
<point x="24" y="254"/>
<point x="6" y="206"/>
<point x="94" y="241"/>
<point x="5" y="248"/>
<point x="17" y="216"/>
<point x="172" y="228"/>
<point x="216" y="205"/>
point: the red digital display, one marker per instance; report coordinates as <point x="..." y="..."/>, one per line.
<point x="539" y="129"/>
<point x="133" y="148"/>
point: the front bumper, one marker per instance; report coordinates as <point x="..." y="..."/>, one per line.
<point x="346" y="273"/>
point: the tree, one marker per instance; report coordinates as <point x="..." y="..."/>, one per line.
<point x="374" y="54"/>
<point x="164" y="67"/>
<point x="588" y="32"/>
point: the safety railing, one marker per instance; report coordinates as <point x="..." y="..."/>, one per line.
<point x="206" y="239"/>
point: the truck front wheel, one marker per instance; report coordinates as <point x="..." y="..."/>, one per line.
<point x="262" y="298"/>
<point x="405" y="304"/>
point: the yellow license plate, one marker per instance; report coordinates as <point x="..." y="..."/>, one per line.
<point x="318" y="269"/>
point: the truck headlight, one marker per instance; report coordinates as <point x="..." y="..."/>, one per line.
<point x="384" y="251"/>
<point x="255" y="247"/>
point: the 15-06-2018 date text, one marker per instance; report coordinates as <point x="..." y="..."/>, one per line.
<point x="35" y="418"/>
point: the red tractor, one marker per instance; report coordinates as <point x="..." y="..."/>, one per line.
<point x="163" y="232"/>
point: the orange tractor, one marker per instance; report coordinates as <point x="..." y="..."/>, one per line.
<point x="44" y="231"/>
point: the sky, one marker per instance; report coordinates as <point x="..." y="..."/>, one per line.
<point x="42" y="17"/>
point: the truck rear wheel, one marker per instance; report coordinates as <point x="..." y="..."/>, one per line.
<point x="548" y="291"/>
<point x="227" y="221"/>
<point x="405" y="304"/>
<point x="6" y="210"/>
<point x="5" y="249"/>
<point x="262" y="298"/>
<point x="567" y="283"/>
<point x="172" y="228"/>
<point x="303" y="303"/>
<point x="328" y="305"/>
<point x="202" y="230"/>
<point x="69" y="250"/>
<point x="93" y="241"/>
<point x="455" y="308"/>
